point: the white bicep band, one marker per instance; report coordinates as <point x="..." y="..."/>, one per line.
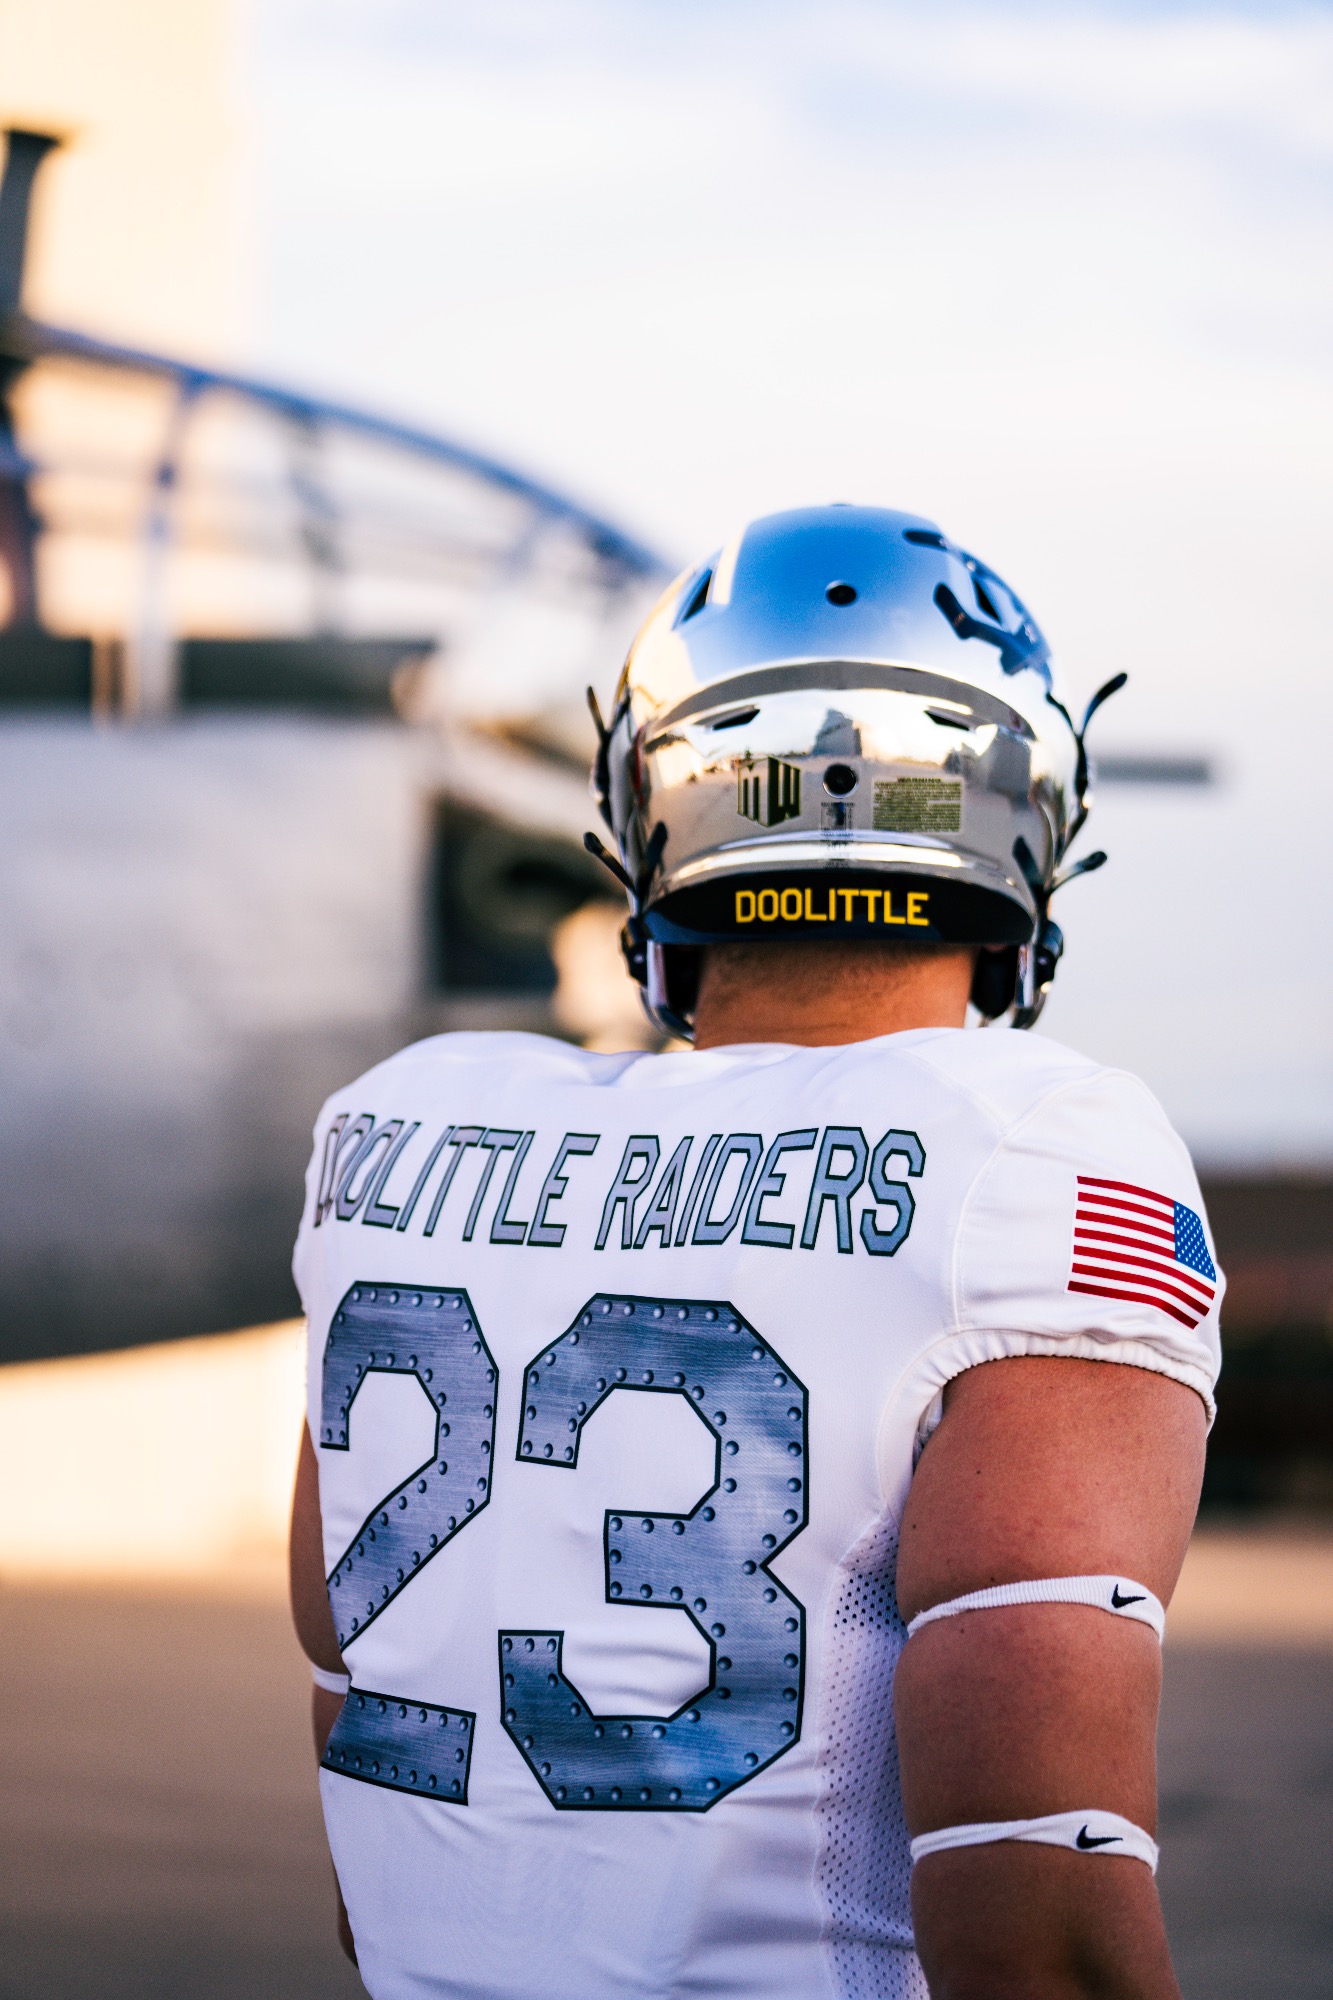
<point x="1115" y="1594"/>
<point x="331" y="1683"/>
<point x="1085" y="1832"/>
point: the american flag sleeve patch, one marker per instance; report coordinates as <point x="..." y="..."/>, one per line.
<point x="1130" y="1243"/>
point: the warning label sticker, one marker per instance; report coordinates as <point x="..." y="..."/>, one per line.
<point x="918" y="805"/>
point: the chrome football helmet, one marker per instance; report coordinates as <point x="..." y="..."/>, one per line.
<point x="842" y="725"/>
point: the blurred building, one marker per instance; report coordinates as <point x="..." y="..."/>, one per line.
<point x="292" y="754"/>
<point x="293" y="750"/>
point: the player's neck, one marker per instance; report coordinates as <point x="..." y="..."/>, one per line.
<point x="818" y="996"/>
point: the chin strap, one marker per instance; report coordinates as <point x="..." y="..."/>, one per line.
<point x="1038" y="960"/>
<point x="601" y="770"/>
<point x="643" y="958"/>
<point x="1048" y="940"/>
<point x="1080" y="730"/>
<point x="634" y="938"/>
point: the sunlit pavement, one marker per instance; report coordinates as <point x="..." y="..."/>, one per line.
<point x="1247" y="1821"/>
<point x="159" y="1817"/>
<point x="159" y="1823"/>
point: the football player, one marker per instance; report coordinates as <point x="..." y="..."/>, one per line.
<point x="864" y="1355"/>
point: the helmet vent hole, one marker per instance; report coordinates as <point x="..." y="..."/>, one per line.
<point x="839" y="780"/>
<point x="735" y="719"/>
<point x="698" y="597"/>
<point x="841" y="593"/>
<point x="984" y="600"/>
<point x="925" y="538"/>
<point x="947" y="721"/>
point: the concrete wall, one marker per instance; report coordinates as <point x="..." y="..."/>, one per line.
<point x="205" y="926"/>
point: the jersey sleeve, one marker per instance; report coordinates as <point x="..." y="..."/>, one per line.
<point x="1084" y="1234"/>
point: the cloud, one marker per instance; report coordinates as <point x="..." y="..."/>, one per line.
<point x="1014" y="249"/>
<point x="1263" y="69"/>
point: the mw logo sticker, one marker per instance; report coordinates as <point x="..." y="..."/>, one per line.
<point x="768" y="791"/>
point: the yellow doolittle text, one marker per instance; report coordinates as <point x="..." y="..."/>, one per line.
<point x="794" y="906"/>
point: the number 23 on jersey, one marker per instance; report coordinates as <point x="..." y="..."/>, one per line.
<point x="712" y="1563"/>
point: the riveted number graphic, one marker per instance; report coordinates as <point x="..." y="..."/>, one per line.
<point x="710" y="1564"/>
<point x="401" y="1330"/>
<point x="434" y="1335"/>
<point x="407" y="1746"/>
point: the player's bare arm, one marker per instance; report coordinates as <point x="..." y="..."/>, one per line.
<point x="313" y="1620"/>
<point x="1041" y="1467"/>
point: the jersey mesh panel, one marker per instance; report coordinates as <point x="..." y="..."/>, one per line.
<point x="865" y="1860"/>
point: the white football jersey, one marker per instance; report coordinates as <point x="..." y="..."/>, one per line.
<point x="778" y="1256"/>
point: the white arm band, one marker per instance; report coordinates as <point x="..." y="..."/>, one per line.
<point x="1115" y="1594"/>
<point x="1087" y="1832"/>
<point x="331" y="1683"/>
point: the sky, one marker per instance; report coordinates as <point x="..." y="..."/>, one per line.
<point x="1060" y="276"/>
<point x="702" y="259"/>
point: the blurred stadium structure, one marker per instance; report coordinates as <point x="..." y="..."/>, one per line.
<point x="292" y="756"/>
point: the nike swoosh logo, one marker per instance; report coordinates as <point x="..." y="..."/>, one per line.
<point x="1085" y="1839"/>
<point x="1118" y="1602"/>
